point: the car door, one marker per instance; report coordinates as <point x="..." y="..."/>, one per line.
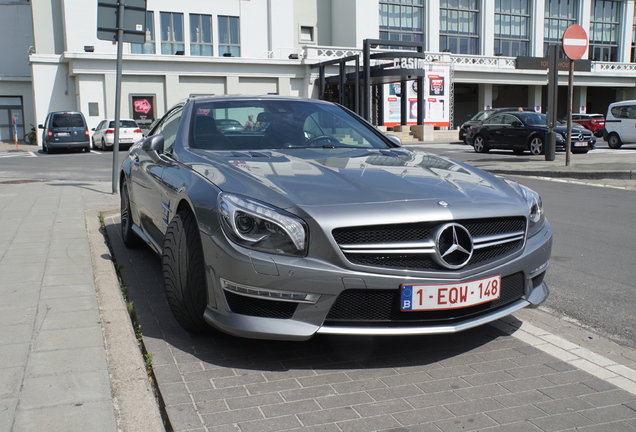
<point x="146" y="179"/>
<point x="514" y="134"/>
<point x="628" y="124"/>
<point x="99" y="133"/>
<point x="492" y="130"/>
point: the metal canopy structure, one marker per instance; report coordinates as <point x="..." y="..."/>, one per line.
<point x="401" y="66"/>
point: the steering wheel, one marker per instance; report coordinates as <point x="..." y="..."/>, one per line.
<point x="310" y="142"/>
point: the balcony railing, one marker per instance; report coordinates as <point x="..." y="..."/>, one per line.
<point x="315" y="54"/>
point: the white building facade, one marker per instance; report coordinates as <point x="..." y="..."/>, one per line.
<point x="53" y="60"/>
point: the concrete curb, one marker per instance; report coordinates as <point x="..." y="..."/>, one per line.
<point x="136" y="406"/>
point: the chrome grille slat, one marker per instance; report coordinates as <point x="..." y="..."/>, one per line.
<point x="414" y="245"/>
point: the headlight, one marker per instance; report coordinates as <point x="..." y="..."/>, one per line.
<point x="535" y="207"/>
<point x="559" y="137"/>
<point x="261" y="227"/>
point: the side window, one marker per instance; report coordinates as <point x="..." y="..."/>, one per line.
<point x="493" y="120"/>
<point x="508" y="119"/>
<point x="168" y="128"/>
<point x="631" y="112"/>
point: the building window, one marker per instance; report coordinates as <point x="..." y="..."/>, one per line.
<point x="559" y="15"/>
<point x="402" y="20"/>
<point x="459" y="26"/>
<point x="229" y="40"/>
<point x="149" y="46"/>
<point x="201" y="35"/>
<point x="512" y="27"/>
<point x="172" y="33"/>
<point x="604" y="30"/>
<point x="307" y="34"/>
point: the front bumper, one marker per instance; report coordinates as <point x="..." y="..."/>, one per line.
<point x="250" y="316"/>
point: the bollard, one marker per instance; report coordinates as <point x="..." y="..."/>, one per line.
<point x="550" y="146"/>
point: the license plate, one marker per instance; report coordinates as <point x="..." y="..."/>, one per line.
<point x="580" y="144"/>
<point x="450" y="296"/>
<point x="125" y="140"/>
<point x="62" y="134"/>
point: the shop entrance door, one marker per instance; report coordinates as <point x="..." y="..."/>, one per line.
<point x="10" y="111"/>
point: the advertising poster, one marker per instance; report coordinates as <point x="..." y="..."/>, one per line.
<point x="143" y="109"/>
<point x="436" y="97"/>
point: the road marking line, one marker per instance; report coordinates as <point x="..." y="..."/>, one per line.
<point x="588" y="361"/>
<point x="9" y="154"/>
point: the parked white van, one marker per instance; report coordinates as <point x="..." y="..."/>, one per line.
<point x="620" y="124"/>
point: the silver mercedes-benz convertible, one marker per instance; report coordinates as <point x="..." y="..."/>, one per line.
<point x="309" y="220"/>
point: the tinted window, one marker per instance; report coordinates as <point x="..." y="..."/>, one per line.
<point x="533" y="118"/>
<point x="625" y="111"/>
<point x="168" y="128"/>
<point x="124" y="124"/>
<point x="67" y="120"/>
<point x="494" y="120"/>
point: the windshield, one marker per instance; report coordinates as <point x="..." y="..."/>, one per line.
<point x="275" y="124"/>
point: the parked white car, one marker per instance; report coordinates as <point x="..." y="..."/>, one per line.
<point x="620" y="124"/>
<point x="104" y="134"/>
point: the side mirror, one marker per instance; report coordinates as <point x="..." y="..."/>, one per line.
<point x="153" y="146"/>
<point x="40" y="126"/>
<point x="395" y="140"/>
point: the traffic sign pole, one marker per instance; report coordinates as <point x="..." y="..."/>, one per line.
<point x="575" y="44"/>
<point x="120" y="54"/>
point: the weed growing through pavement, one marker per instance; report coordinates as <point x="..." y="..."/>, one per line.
<point x="130" y="307"/>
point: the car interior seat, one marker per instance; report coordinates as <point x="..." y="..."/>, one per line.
<point x="208" y="136"/>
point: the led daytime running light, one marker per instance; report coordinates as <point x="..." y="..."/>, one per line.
<point x="287" y="296"/>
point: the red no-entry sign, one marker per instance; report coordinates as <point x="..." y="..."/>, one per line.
<point x="574" y="42"/>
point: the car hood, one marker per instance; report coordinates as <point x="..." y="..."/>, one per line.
<point x="389" y="180"/>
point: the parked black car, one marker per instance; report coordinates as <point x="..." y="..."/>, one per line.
<point x="524" y="131"/>
<point x="483" y="115"/>
<point x="65" y="130"/>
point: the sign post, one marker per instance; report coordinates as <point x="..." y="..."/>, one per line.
<point x="120" y="21"/>
<point x="553" y="87"/>
<point x="575" y="44"/>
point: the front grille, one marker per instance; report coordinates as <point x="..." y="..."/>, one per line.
<point x="357" y="306"/>
<point x="252" y="306"/>
<point x="382" y="238"/>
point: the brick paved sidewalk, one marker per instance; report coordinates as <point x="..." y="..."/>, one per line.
<point x="486" y="379"/>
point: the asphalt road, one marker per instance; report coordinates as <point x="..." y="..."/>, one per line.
<point x="592" y="275"/>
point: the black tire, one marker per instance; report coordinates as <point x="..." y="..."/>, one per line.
<point x="184" y="273"/>
<point x="479" y="144"/>
<point x="103" y="144"/>
<point x="87" y="149"/>
<point x="128" y="236"/>
<point x="93" y="144"/>
<point x="536" y="146"/>
<point x="614" y="141"/>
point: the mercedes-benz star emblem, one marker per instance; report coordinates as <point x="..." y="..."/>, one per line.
<point x="453" y="246"/>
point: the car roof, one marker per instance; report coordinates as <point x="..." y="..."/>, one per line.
<point x="512" y="109"/>
<point x="234" y="97"/>
<point x="625" y="102"/>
